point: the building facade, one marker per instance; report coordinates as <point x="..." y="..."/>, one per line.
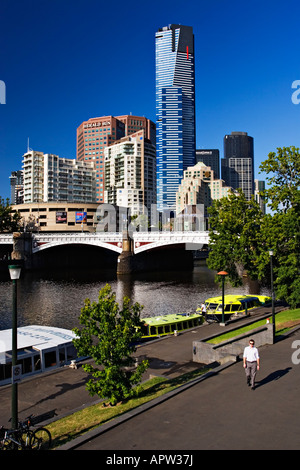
<point x="259" y="194"/>
<point x="210" y="157"/>
<point x="16" y="187"/>
<point x="48" y="178"/>
<point x="130" y="173"/>
<point x="58" y="216"/>
<point x="94" y="135"/>
<point x="238" y="162"/>
<point x="175" y="110"/>
<point x="199" y="186"/>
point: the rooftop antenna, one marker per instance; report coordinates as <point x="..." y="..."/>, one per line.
<point x="28" y="148"/>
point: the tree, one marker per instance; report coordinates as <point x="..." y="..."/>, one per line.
<point x="108" y="336"/>
<point x="9" y="222"/>
<point x="284" y="181"/>
<point x="241" y="237"/>
<point x="235" y="236"/>
<point x="283" y="197"/>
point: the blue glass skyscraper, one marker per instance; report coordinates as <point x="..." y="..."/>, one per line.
<point x="175" y="110"/>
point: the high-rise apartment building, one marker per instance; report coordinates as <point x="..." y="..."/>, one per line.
<point x="94" y="135"/>
<point x="130" y="173"/>
<point x="175" y="110"/>
<point x="49" y="178"/>
<point x="238" y="162"/>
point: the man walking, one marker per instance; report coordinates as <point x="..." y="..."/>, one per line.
<point x="251" y="363"/>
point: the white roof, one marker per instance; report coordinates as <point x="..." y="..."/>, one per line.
<point x="36" y="336"/>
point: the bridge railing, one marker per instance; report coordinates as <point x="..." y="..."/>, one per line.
<point x="77" y="236"/>
<point x="6" y="238"/>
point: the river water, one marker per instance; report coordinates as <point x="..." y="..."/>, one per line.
<point x="56" y="299"/>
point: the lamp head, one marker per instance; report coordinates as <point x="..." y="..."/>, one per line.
<point x="222" y="273"/>
<point x="14" y="271"/>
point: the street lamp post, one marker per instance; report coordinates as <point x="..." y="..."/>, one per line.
<point x="223" y="274"/>
<point x="14" y="271"/>
<point x="273" y="295"/>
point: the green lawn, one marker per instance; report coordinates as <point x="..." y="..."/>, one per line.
<point x="283" y="322"/>
<point x="76" y="424"/>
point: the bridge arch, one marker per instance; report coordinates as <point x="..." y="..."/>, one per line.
<point x="148" y="241"/>
<point x="112" y="242"/>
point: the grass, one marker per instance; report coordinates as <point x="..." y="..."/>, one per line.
<point x="283" y="322"/>
<point x="80" y="422"/>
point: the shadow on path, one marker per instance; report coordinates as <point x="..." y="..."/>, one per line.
<point x="273" y="376"/>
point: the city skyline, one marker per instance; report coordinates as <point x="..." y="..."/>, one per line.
<point x="247" y="59"/>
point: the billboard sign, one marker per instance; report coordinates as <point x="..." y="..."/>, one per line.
<point x="80" y="217"/>
<point x="61" y="217"/>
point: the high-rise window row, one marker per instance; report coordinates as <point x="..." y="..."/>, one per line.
<point x="238" y="162"/>
<point x="175" y="110"/>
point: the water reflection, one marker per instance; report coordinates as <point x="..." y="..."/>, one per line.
<point x="56" y="298"/>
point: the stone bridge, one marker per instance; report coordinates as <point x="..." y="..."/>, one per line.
<point x="25" y="245"/>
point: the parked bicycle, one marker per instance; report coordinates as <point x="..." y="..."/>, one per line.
<point x="25" y="438"/>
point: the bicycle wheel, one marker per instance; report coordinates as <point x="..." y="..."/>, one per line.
<point x="10" y="445"/>
<point x="26" y="439"/>
<point x="41" y="439"/>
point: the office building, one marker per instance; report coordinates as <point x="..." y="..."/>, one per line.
<point x="94" y="135"/>
<point x="130" y="173"/>
<point x="238" y="162"/>
<point x="199" y="186"/>
<point x="49" y="178"/>
<point x="211" y="158"/>
<point x="16" y="187"/>
<point x="175" y="110"/>
<point x="259" y="194"/>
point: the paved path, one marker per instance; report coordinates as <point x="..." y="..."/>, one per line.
<point x="221" y="412"/>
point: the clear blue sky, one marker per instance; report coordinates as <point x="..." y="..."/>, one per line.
<point x="65" y="61"/>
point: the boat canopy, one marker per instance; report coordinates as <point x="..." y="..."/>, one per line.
<point x="248" y="299"/>
<point x="35" y="336"/>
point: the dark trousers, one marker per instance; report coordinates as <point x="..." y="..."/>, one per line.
<point x="251" y="368"/>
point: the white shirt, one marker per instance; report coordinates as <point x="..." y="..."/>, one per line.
<point x="251" y="353"/>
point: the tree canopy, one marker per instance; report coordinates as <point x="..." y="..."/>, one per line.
<point x="235" y="225"/>
<point x="9" y="221"/>
<point x="241" y="236"/>
<point x="109" y="336"/>
<point x="284" y="180"/>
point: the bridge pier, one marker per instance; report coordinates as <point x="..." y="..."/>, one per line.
<point x="125" y="263"/>
<point x="22" y="248"/>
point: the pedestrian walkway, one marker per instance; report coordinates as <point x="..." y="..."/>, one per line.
<point x="63" y="391"/>
<point x="209" y="407"/>
<point x="219" y="413"/>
